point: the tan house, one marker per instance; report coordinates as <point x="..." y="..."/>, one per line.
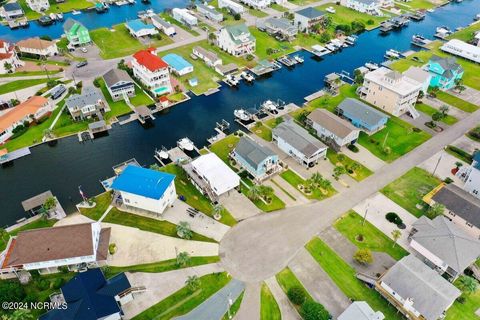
<point x="391" y="92"/>
<point x="37" y="46"/>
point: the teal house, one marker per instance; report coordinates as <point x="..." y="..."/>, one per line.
<point x="76" y="33"/>
<point x="445" y="72"/>
<point x="258" y="160"/>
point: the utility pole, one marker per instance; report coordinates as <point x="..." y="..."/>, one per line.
<point x="366" y="212"/>
<point x="436" y="166"/>
<point x="385" y="140"/>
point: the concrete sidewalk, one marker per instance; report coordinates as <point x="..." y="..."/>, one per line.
<point x="286" y="308"/>
<point x="250" y="307"/>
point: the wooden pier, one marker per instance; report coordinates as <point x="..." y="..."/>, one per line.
<point x="315" y="95"/>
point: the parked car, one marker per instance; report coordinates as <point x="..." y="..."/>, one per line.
<point x="84" y="50"/>
<point x="82" y="64"/>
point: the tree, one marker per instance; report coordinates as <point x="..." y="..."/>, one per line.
<point x="338" y="171"/>
<point x="184" y="231"/>
<point x="435" y="210"/>
<point x="155" y="167"/>
<point x="192" y="283"/>
<point x="218" y="211"/>
<point x="444" y="109"/>
<point x="325" y="184"/>
<point x="49" y="204"/>
<point x="396" y="235"/>
<point x="21" y="314"/>
<point x="237" y="16"/>
<point x="458" y="164"/>
<point x="363" y="256"/>
<point x="12" y="291"/>
<point x="296" y="295"/>
<point x="468" y="284"/>
<point x="183" y="259"/>
<point x="212" y="37"/>
<point x="315" y="180"/>
<point x="266" y="192"/>
<point x="254" y="193"/>
<point x="8" y="66"/>
<point x="4" y="235"/>
<point x="312" y="310"/>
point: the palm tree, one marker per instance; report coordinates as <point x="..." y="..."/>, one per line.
<point x="183" y="259"/>
<point x="218" y="211"/>
<point x="254" y="193"/>
<point x="396" y="235"/>
<point x="338" y="171"/>
<point x="155" y="167"/>
<point x="184" y="231"/>
<point x="435" y="210"/>
<point x="8" y="66"/>
<point x="468" y="284"/>
<point x="49" y="203"/>
<point x="444" y="109"/>
<point x="316" y="179"/>
<point x="266" y="192"/>
<point x="325" y="184"/>
<point x="192" y="283"/>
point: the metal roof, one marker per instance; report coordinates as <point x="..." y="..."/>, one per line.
<point x="298" y="138"/>
<point x="253" y="152"/>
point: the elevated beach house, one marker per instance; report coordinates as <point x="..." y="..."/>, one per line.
<point x="77" y="246"/>
<point x="446" y="72"/>
<point x="119" y="84"/>
<point x="371" y="7"/>
<point x="360" y="310"/>
<point x="38" y="47"/>
<point x="178" y="64"/>
<point x="306" y="18"/>
<point x="87" y="104"/>
<point x="152" y="71"/>
<point x="164" y="26"/>
<point x="141" y="189"/>
<point x="210" y="58"/>
<point x="331" y="128"/>
<point x="298" y="143"/>
<point x="444" y="246"/>
<point x="77" y="34"/>
<point x="258" y="160"/>
<point x="470" y="174"/>
<point x="361" y="115"/>
<point x="138" y="28"/>
<point x="236" y="40"/>
<point x="417" y="291"/>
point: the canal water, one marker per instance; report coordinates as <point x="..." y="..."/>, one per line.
<point x="69" y="164"/>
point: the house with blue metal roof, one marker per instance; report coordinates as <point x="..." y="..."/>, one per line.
<point x="89" y="296"/>
<point x="361" y="115"/>
<point x="178" y="64"/>
<point x="138" y="188"/>
<point x="138" y="28"/>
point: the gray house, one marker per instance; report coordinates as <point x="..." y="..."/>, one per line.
<point x="306" y="18"/>
<point x="417" y="291"/>
<point x="279" y="27"/>
<point x="360" y="310"/>
<point x="118" y="83"/>
<point x="87" y="104"/>
<point x="260" y="161"/>
<point x="12" y="10"/>
<point x="443" y="245"/>
<point x="361" y="115"/>
<point x="209" y="12"/>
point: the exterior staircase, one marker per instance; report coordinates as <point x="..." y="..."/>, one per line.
<point x="413" y="112"/>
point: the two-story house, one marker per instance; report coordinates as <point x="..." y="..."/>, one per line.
<point x="258" y="160"/>
<point x="12" y="10"/>
<point x="88" y="104"/>
<point x="38" y="47"/>
<point x="9" y="61"/>
<point x="77" y="34"/>
<point x="471" y="176"/>
<point x="446" y="72"/>
<point x="119" y="84"/>
<point x="328" y="126"/>
<point x="306" y="18"/>
<point x="141" y="189"/>
<point x="38" y="5"/>
<point x="152" y="72"/>
<point x="236" y="40"/>
<point x="371" y="7"/>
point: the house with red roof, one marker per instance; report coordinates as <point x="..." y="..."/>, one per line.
<point x="152" y="71"/>
<point x="9" y="61"/>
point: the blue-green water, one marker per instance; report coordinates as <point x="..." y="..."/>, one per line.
<point x="67" y="165"/>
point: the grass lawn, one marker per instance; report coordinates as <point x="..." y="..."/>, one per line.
<point x="466" y="310"/>
<point x="344" y="277"/>
<point x="474" y="134"/>
<point x="408" y="190"/>
<point x="287" y="280"/>
<point x="66" y="126"/>
<point x="269" y="309"/>
<point x="102" y="202"/>
<point x="467" y="33"/>
<point x="234" y="308"/>
<point x="345" y="15"/>
<point x="275" y="203"/>
<point x="360" y="173"/>
<point x="278" y="7"/>
<point x="295" y="180"/>
<point x="264" y="41"/>
<point x="257" y="13"/>
<point x="193" y="197"/>
<point x="37" y="224"/>
<point x="430" y="111"/>
<point x="456" y="102"/>
<point x="148" y="224"/>
<point x="28" y="74"/>
<point x="222" y="148"/>
<point x="273" y="122"/>
<point x="119" y="42"/>
<point x="262" y="131"/>
<point x="459" y="154"/>
<point x="398" y="135"/>
<point x="184" y="300"/>
<point x="416" y="4"/>
<point x="161" y="266"/>
<point x="22" y="84"/>
<point x="66" y="6"/>
<point x="350" y="225"/>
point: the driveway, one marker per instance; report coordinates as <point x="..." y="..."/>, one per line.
<point x="318" y="283"/>
<point x="467" y="144"/>
<point x="379" y="206"/>
<point x="287" y="310"/>
<point x="365" y="157"/>
<point x="471" y="95"/>
<point x="280" y="185"/>
<point x="435" y="103"/>
<point x="250" y="307"/>
<point x="135" y="246"/>
<point x="161" y="285"/>
<point x="217" y="305"/>
<point x="444" y="162"/>
<point x="239" y="206"/>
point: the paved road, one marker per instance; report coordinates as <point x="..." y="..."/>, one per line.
<point x="259" y="247"/>
<point x="250" y="307"/>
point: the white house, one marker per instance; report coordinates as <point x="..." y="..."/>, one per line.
<point x="212" y="176"/>
<point x="12" y="10"/>
<point x="471" y="176"/>
<point x="371" y="7"/>
<point x="236" y="40"/>
<point x="329" y="126"/>
<point x="419" y="75"/>
<point x="152" y="71"/>
<point x="298" y="143"/>
<point x="260" y="4"/>
<point x="119" y="84"/>
<point x="462" y="49"/>
<point x="184" y="16"/>
<point x="211" y="58"/>
<point x="138" y="28"/>
<point x="417" y="291"/>
<point x="360" y="310"/>
<point x="9" y="61"/>
<point x="164" y="26"/>
<point x="231" y="5"/>
<point x="33" y="109"/>
<point x="305" y="18"/>
<point x="138" y="188"/>
<point x="38" y="5"/>
<point x="47" y="249"/>
<point x="86" y="105"/>
<point x="37" y="46"/>
<point x="209" y="12"/>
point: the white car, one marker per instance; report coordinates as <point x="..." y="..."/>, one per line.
<point x="84" y="50"/>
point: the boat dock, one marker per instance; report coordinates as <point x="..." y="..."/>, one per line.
<point x="220" y="130"/>
<point x="6" y="157"/>
<point x="315" y="95"/>
<point x="287" y="61"/>
<point x="18" y="23"/>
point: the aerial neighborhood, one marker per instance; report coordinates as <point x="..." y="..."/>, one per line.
<point x="240" y="159"/>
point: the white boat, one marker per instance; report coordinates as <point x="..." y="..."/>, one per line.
<point x="185" y="144"/>
<point x="247" y="76"/>
<point x="331" y="47"/>
<point x="430" y="10"/>
<point x="59" y="16"/>
<point x="163" y="153"/>
<point x="53" y="16"/>
<point x="318" y="50"/>
<point x="443" y="30"/>
<point x="350" y="40"/>
<point x="121" y="2"/>
<point x="337" y="43"/>
<point x="371" y="66"/>
<point x="477" y="17"/>
<point x="131" y="1"/>
<point x="242" y="115"/>
<point x="75" y="12"/>
<point x="330" y="10"/>
<point x="298" y="59"/>
<point x="150" y="12"/>
<point x="392" y="54"/>
<point x="269" y="105"/>
<point x="231" y="80"/>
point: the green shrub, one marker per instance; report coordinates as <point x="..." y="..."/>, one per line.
<point x="394" y="218"/>
<point x="42" y="284"/>
<point x="353" y="148"/>
<point x="57" y="283"/>
<point x="312" y="310"/>
<point x="296" y="295"/>
<point x="11" y="290"/>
